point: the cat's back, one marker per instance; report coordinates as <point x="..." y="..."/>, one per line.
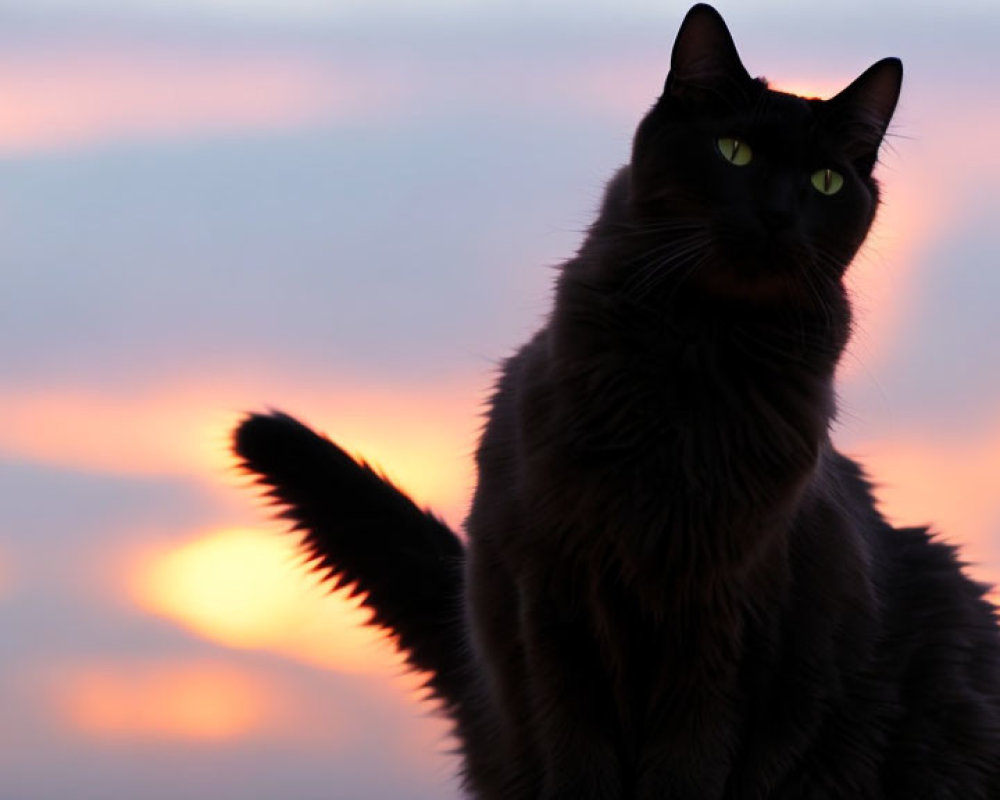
<point x="936" y="662"/>
<point x="929" y="606"/>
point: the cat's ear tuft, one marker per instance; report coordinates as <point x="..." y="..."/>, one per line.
<point x="704" y="53"/>
<point x="865" y="108"/>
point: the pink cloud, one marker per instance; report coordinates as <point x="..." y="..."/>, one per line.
<point x="423" y="435"/>
<point x="112" y="702"/>
<point x="87" y="96"/>
<point x="209" y="701"/>
<point x="205" y="701"/>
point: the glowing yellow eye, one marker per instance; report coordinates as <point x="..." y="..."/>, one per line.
<point x="735" y="151"/>
<point x="827" y="181"/>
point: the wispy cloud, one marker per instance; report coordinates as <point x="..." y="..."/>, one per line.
<point x="422" y="434"/>
<point x="163" y="726"/>
<point x="203" y="701"/>
<point x="67" y="99"/>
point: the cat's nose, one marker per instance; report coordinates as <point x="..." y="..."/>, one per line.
<point x="777" y="205"/>
<point x="777" y="218"/>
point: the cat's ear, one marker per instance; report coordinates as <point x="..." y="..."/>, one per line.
<point x="704" y="58"/>
<point x="863" y="110"/>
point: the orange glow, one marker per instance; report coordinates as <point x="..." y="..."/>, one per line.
<point x="416" y="432"/>
<point x="88" y="96"/>
<point x="824" y="87"/>
<point x="906" y="226"/>
<point x="926" y="176"/>
<point x="246" y="589"/>
<point x="205" y="701"/>
<point x="949" y="484"/>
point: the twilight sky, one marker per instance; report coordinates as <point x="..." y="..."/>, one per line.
<point x="350" y="210"/>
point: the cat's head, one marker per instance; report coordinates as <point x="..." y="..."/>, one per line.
<point x="764" y="193"/>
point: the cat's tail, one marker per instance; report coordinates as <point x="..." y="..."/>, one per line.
<point x="363" y="532"/>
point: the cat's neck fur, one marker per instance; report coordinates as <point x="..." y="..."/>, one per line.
<point x="725" y="406"/>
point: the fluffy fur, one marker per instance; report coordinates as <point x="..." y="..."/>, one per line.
<point x="674" y="585"/>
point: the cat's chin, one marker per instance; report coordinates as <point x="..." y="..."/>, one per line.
<point x="755" y="282"/>
<point x="757" y="269"/>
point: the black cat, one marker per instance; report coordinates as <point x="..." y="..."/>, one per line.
<point x="674" y="586"/>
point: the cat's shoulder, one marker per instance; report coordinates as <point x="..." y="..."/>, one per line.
<point x="924" y="590"/>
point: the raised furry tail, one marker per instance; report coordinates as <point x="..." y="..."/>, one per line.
<point x="363" y="532"/>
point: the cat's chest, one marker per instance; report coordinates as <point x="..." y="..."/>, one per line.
<point x="688" y="404"/>
<point x="662" y="468"/>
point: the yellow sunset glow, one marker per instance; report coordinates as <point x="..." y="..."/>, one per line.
<point x="246" y="589"/>
<point x="207" y="701"/>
